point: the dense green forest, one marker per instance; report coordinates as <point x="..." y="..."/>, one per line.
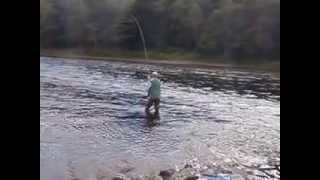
<point x="233" y="29"/>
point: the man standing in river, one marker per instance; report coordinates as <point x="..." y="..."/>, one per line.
<point x="154" y="94"/>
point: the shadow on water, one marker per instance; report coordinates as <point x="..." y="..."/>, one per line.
<point x="260" y="85"/>
<point x="152" y="121"/>
<point x="152" y="116"/>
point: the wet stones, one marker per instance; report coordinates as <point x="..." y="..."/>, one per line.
<point x="166" y="174"/>
<point x="120" y="177"/>
<point x="192" y="171"/>
<point x="126" y="170"/>
<point x="184" y="173"/>
<point x="117" y="178"/>
<point x="192" y="178"/>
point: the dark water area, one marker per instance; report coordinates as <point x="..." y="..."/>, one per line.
<point x="93" y="124"/>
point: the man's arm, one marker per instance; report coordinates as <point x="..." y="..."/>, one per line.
<point x="148" y="93"/>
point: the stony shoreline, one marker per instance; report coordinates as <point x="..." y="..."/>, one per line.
<point x="193" y="171"/>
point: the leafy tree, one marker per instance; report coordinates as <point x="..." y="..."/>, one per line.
<point x="230" y="28"/>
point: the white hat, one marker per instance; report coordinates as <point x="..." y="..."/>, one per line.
<point x="154" y="74"/>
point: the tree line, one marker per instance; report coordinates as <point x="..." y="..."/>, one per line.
<point x="215" y="28"/>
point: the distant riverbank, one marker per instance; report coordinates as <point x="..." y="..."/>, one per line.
<point x="167" y="58"/>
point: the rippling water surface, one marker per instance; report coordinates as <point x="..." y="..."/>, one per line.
<point x="93" y="123"/>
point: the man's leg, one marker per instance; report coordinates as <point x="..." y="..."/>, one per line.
<point x="149" y="104"/>
<point x="157" y="106"/>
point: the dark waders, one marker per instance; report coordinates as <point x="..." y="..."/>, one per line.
<point x="153" y="102"/>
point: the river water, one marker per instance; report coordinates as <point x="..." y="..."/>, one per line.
<point x="92" y="120"/>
